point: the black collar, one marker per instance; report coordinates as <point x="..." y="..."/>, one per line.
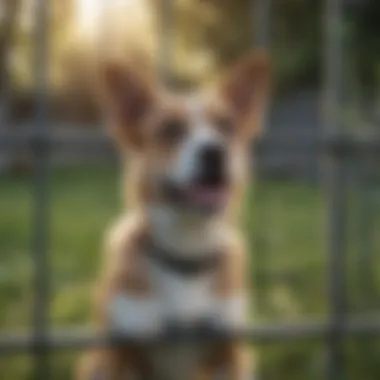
<point x="184" y="266"/>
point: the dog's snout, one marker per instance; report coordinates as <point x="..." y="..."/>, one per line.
<point x="212" y="165"/>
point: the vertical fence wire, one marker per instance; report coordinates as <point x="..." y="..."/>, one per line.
<point x="40" y="213"/>
<point x="261" y="25"/>
<point x="262" y="12"/>
<point x="335" y="183"/>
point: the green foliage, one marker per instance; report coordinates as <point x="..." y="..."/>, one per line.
<point x="207" y="35"/>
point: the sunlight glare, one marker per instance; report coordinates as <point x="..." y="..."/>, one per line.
<point x="88" y="15"/>
<point x="113" y="15"/>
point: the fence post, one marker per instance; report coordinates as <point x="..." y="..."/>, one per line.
<point x="262" y="12"/>
<point x="261" y="35"/>
<point x="40" y="214"/>
<point x="335" y="182"/>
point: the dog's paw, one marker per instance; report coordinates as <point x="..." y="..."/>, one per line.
<point x="231" y="313"/>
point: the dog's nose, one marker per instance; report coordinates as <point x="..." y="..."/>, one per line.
<point x="212" y="165"/>
<point x="212" y="156"/>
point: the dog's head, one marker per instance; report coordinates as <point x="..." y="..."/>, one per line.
<point x="188" y="151"/>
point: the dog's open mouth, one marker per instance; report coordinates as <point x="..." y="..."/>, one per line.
<point x="198" y="197"/>
<point x="212" y="198"/>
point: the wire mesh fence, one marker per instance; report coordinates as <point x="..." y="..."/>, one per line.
<point x="334" y="148"/>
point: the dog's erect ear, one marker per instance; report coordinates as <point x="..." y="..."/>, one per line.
<point x="128" y="97"/>
<point x="246" y="90"/>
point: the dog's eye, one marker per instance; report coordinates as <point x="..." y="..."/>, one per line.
<point x="172" y="131"/>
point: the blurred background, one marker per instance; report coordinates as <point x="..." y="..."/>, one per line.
<point x="288" y="207"/>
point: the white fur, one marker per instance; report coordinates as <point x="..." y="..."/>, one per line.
<point x="201" y="134"/>
<point x="181" y="298"/>
<point x="186" y="233"/>
<point x="135" y="316"/>
<point x="233" y="311"/>
<point x="176" y="297"/>
<point x="184" y="300"/>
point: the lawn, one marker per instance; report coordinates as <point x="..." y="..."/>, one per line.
<point x="284" y="222"/>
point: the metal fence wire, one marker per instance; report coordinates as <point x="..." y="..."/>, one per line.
<point x="334" y="147"/>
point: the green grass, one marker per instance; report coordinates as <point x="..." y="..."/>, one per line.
<point x="285" y="223"/>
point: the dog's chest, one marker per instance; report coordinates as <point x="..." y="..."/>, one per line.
<point x="183" y="298"/>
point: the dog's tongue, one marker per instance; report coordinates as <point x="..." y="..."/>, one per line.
<point x="208" y="197"/>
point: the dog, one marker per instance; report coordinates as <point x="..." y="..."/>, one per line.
<point x="177" y="258"/>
